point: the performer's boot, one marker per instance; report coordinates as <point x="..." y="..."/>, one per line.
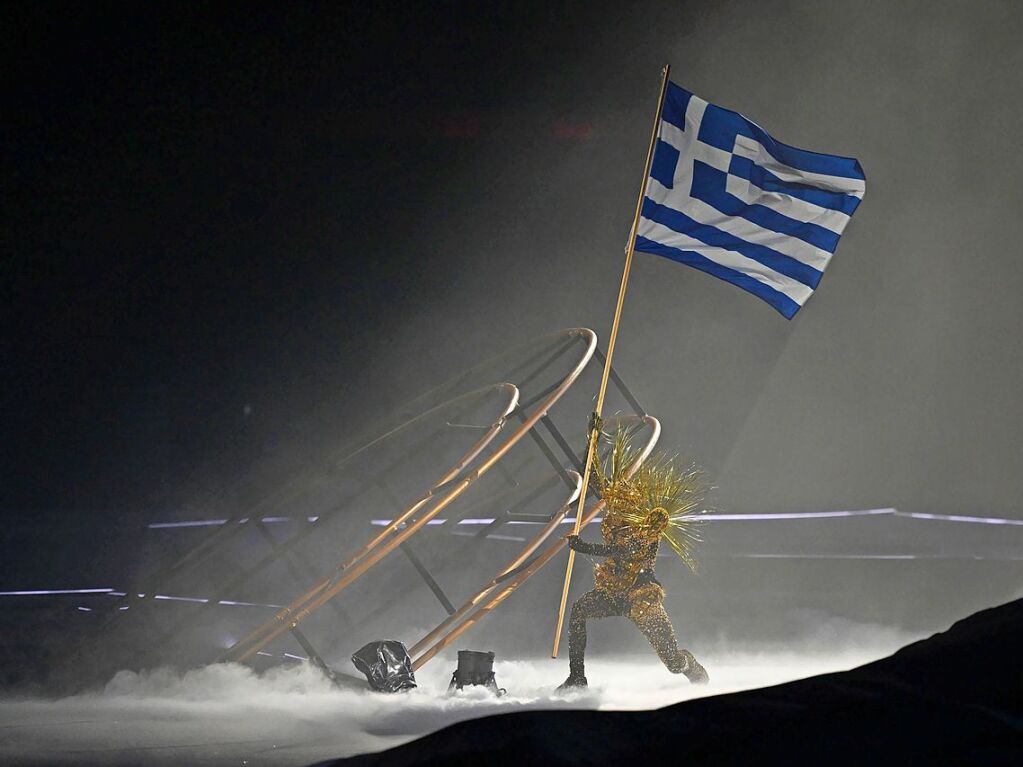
<point x="682" y="662"/>
<point x="576" y="676"/>
<point x="574" y="682"/>
<point x="696" y="673"/>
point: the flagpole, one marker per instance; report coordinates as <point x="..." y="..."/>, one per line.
<point x="594" y="435"/>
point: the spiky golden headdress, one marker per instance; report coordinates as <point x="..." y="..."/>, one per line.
<point x="664" y="494"/>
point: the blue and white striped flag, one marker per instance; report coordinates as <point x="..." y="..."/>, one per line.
<point x="726" y="198"/>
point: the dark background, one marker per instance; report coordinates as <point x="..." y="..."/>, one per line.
<point x="234" y="235"/>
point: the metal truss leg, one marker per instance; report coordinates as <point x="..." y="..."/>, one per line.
<point x="541" y="443"/>
<point x="314" y="657"/>
<point x="426" y="576"/>
<point x="416" y="561"/>
<point x="620" y="384"/>
<point x="289" y="562"/>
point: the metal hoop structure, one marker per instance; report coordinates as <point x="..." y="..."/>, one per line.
<point x="412" y="520"/>
<point x="417" y="445"/>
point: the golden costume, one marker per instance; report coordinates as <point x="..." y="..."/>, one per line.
<point x="657" y="500"/>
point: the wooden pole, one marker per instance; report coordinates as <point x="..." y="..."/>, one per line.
<point x="595" y="426"/>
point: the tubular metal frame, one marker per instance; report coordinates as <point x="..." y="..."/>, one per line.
<point x="393" y="536"/>
<point x="408" y="522"/>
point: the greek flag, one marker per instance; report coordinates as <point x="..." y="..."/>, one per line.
<point x="726" y="198"/>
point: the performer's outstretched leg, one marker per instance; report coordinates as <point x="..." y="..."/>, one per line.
<point x="592" y="604"/>
<point x="650" y="616"/>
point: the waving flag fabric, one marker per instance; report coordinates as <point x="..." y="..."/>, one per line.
<point x="726" y="198"/>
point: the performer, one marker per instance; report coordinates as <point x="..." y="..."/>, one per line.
<point x="659" y="500"/>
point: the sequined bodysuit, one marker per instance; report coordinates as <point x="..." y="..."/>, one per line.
<point x="625" y="585"/>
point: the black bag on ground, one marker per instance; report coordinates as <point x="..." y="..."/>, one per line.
<point x="387" y="666"/>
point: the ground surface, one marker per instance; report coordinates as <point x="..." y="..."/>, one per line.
<point x="951" y="699"/>
<point x="226" y="715"/>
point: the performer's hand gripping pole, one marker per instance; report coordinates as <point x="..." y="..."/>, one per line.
<point x="594" y="435"/>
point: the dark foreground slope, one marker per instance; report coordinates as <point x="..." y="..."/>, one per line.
<point x="955" y="698"/>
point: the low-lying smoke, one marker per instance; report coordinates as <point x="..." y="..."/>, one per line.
<point x="228" y="714"/>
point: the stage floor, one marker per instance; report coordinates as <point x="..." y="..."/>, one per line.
<point x="227" y="715"/>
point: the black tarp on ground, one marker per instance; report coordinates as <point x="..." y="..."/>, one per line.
<point x="955" y="698"/>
